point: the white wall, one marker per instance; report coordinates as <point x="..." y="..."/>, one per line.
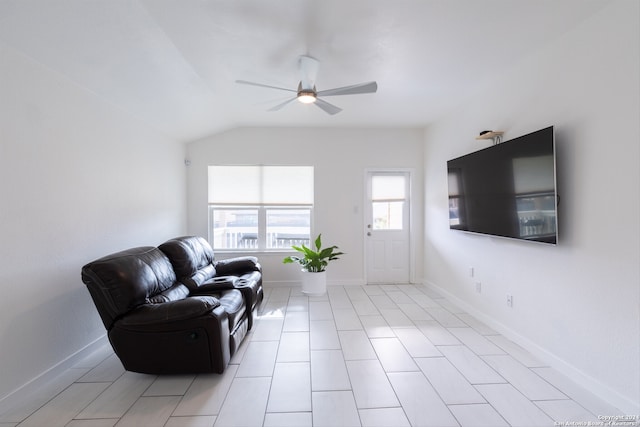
<point x="78" y="179"/>
<point x="340" y="158"/>
<point x="577" y="304"/>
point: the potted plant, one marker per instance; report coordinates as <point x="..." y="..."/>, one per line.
<point x="314" y="262"/>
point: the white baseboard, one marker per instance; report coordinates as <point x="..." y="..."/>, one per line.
<point x="297" y="283"/>
<point x="604" y="392"/>
<point x="55" y="370"/>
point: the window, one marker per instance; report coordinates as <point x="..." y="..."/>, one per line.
<point x="260" y="208"/>
<point x="388" y="197"/>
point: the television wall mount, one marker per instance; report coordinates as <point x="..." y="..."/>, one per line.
<point x="494" y="135"/>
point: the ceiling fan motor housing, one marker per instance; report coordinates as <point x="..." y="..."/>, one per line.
<point x="306" y="96"/>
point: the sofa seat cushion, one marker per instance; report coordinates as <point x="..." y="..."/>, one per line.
<point x="167" y="312"/>
<point x="174" y="293"/>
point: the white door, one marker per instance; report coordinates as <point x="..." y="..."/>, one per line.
<point x="387" y="227"/>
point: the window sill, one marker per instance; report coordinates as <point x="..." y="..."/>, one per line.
<point x="254" y="252"/>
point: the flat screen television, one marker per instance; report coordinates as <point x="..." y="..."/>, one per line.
<point x="507" y="190"/>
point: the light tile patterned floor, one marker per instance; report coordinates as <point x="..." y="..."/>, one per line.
<point x="388" y="355"/>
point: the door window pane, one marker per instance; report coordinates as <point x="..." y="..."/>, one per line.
<point x="387" y="215"/>
<point x="388" y="196"/>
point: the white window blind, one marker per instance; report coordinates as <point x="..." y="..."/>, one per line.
<point x="261" y="185"/>
<point x="387" y="187"/>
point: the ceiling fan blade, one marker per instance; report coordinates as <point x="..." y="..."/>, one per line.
<point x="308" y="71"/>
<point x="328" y="108"/>
<point x="369" y="87"/>
<point x="244" y="82"/>
<point x="279" y="106"/>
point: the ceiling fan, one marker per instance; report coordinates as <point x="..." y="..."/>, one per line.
<point x="307" y="93"/>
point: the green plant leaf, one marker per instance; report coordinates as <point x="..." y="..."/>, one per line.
<point x="298" y="248"/>
<point x="314" y="260"/>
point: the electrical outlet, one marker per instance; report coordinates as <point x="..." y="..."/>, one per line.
<point x="509" y="300"/>
<point x="478" y="287"/>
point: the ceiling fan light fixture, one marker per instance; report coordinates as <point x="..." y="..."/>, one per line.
<point x="306" y="97"/>
<point x="307" y="93"/>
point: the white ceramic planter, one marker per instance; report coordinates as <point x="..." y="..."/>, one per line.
<point x="314" y="284"/>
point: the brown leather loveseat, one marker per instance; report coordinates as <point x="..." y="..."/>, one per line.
<point x="175" y="309"/>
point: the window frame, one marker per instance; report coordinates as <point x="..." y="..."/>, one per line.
<point x="262" y="228"/>
<point x="265" y="189"/>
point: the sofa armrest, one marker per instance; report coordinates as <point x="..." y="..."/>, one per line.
<point x="171" y="311"/>
<point x="237" y="266"/>
<point x="215" y="285"/>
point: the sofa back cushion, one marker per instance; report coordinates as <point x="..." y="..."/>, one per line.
<point x="124" y="280"/>
<point x="192" y="259"/>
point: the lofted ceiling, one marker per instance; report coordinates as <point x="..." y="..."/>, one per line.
<point x="173" y="63"/>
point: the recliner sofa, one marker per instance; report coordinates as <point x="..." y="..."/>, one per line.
<point x="167" y="310"/>
<point x="195" y="265"/>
